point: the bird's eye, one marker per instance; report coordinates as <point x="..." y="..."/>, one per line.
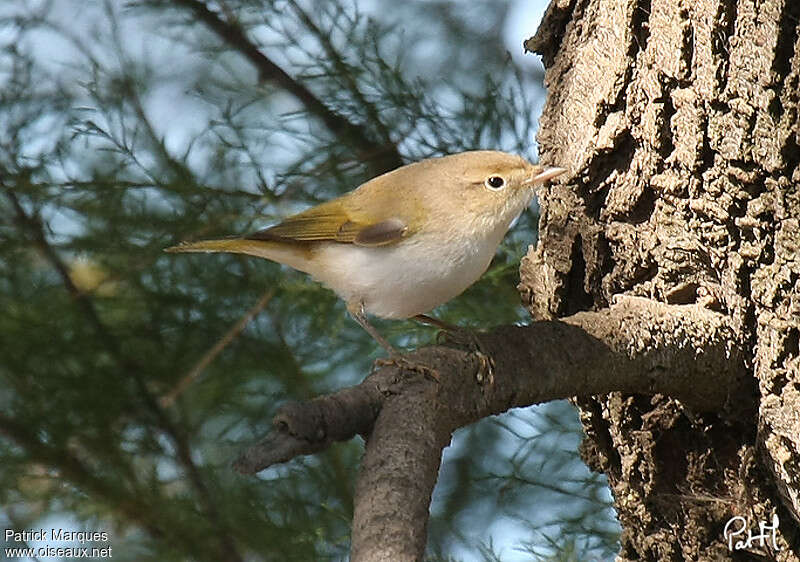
<point x="494" y="182"/>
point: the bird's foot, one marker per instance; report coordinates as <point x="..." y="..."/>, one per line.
<point x="406" y="365"/>
<point x="485" y="374"/>
<point x="463" y="338"/>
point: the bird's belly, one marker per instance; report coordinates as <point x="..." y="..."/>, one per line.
<point x="402" y="280"/>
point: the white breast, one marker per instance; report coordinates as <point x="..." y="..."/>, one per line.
<point x="408" y="278"/>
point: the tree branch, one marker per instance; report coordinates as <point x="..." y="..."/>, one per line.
<point x="131" y="505"/>
<point x="129" y="368"/>
<point x="208" y="357"/>
<point x="382" y="156"/>
<point x="303" y="428"/>
<point x="636" y="346"/>
<point x="346" y="74"/>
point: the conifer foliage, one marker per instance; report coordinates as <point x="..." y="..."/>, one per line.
<point x="129" y="378"/>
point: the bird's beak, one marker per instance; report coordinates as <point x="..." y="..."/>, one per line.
<point x="547" y="174"/>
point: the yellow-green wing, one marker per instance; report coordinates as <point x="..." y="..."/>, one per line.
<point x="337" y="221"/>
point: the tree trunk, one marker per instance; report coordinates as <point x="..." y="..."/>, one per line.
<point x="679" y="123"/>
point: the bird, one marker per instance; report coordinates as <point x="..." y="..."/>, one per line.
<point x="406" y="241"/>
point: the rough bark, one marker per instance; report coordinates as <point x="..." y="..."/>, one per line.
<point x="679" y="122"/>
<point x="636" y="345"/>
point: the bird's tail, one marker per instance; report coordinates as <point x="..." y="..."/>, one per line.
<point x="293" y="255"/>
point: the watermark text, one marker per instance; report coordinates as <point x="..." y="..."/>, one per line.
<point x="739" y="535"/>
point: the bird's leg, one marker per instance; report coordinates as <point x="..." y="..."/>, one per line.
<point x="441" y="324"/>
<point x="450" y="333"/>
<point x="464" y="338"/>
<point x="356" y="310"/>
<point x="358" y="313"/>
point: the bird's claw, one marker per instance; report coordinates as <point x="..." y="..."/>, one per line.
<point x="410" y="366"/>
<point x="468" y="341"/>
<point x="485" y="374"/>
<point x="460" y="338"/>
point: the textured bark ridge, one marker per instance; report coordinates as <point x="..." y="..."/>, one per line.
<point x="679" y="122"/>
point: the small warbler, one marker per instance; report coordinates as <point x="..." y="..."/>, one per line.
<point x="406" y="241"/>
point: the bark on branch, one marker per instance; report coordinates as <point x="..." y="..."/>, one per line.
<point x="635" y="346"/>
